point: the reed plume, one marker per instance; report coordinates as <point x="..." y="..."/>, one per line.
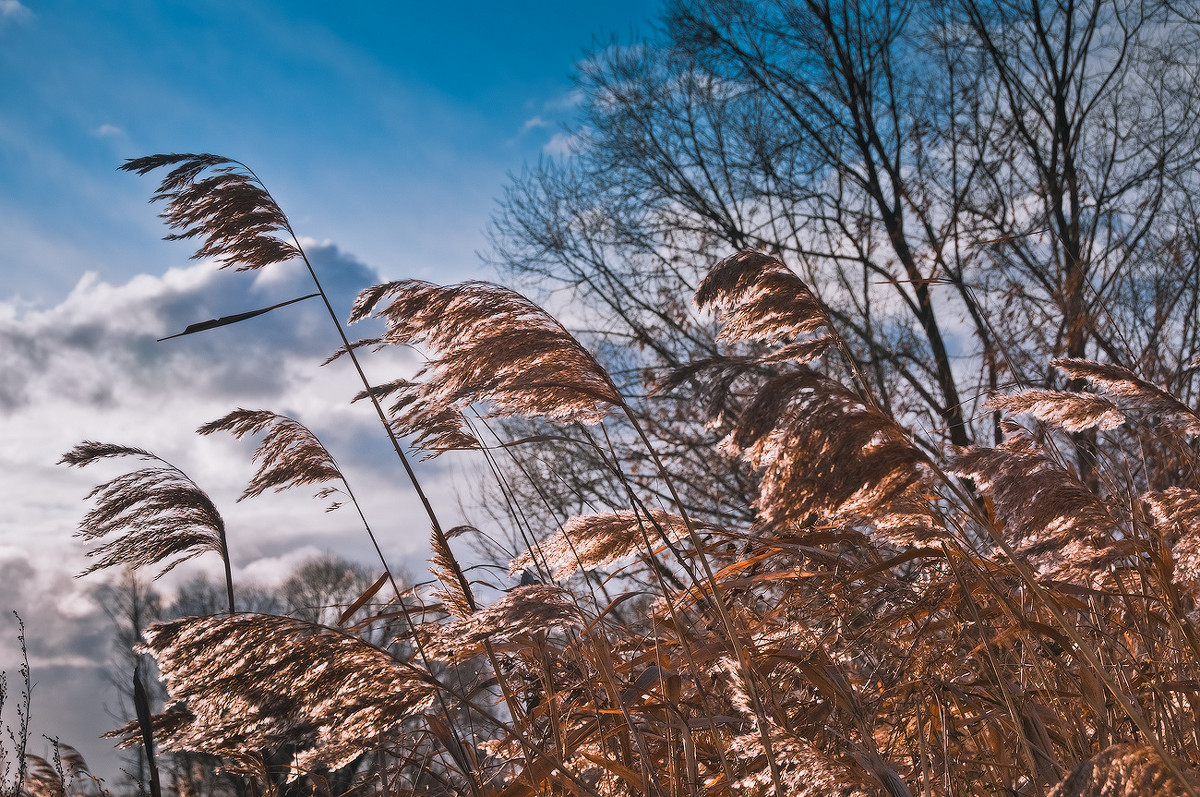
<point x="1123" y="770"/>
<point x="253" y="682"/>
<point x="825" y="454"/>
<point x="597" y="540"/>
<point x="288" y="455"/>
<point x="1176" y="511"/>
<point x="58" y="776"/>
<point x="808" y="772"/>
<point x="761" y="298"/>
<point x="1052" y="518"/>
<point x="161" y="516"/>
<point x="1062" y="409"/>
<point x="432" y="428"/>
<point x="222" y="202"/>
<point x="523" y="610"/>
<point x="453" y="593"/>
<point x="1124" y="385"/>
<point x="490" y="345"/>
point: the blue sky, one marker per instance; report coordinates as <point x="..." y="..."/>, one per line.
<point x="386" y="127"/>
<point x="385" y="130"/>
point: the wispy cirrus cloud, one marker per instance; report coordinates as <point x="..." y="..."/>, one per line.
<point x="568" y="101"/>
<point x="554" y="113"/>
<point x="534" y="123"/>
<point x="13" y="11"/>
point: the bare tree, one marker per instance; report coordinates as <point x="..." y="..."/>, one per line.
<point x="970" y="188"/>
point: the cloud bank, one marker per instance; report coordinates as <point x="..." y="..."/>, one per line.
<point x="90" y="367"/>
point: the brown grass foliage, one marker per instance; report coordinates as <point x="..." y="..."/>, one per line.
<point x="897" y="622"/>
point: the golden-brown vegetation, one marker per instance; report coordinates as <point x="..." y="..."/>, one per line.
<point x="895" y="621"/>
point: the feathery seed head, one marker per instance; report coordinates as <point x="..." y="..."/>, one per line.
<point x="523" y="610"/>
<point x="253" y="682"/>
<point x="1052" y="518"/>
<point x="221" y="202"/>
<point x="488" y="345"/>
<point x="1067" y="410"/>
<point x="821" y="450"/>
<point x="1177" y="511"/>
<point x="1134" y="392"/>
<point x="289" y="454"/>
<point x="762" y="299"/>
<point x="1123" y="770"/>
<point x="434" y="428"/>
<point x="160" y="513"/>
<point x="597" y="540"/>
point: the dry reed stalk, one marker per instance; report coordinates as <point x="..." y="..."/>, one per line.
<point x="290" y="454"/>
<point x="223" y="202"/>
<point x="252" y="682"/>
<point x="160" y="514"/>
<point x="493" y="346"/>
<point x="889" y="631"/>
<point x="1123" y="770"/>
<point x="591" y="541"/>
<point x="1119" y="382"/>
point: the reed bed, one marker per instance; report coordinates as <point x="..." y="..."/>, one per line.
<point x="894" y="621"/>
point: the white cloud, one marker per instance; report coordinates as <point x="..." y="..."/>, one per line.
<point x="13" y="10"/>
<point x="554" y="113"/>
<point x="106" y="130"/>
<point x="564" y="145"/>
<point x="566" y="102"/>
<point x="535" y="122"/>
